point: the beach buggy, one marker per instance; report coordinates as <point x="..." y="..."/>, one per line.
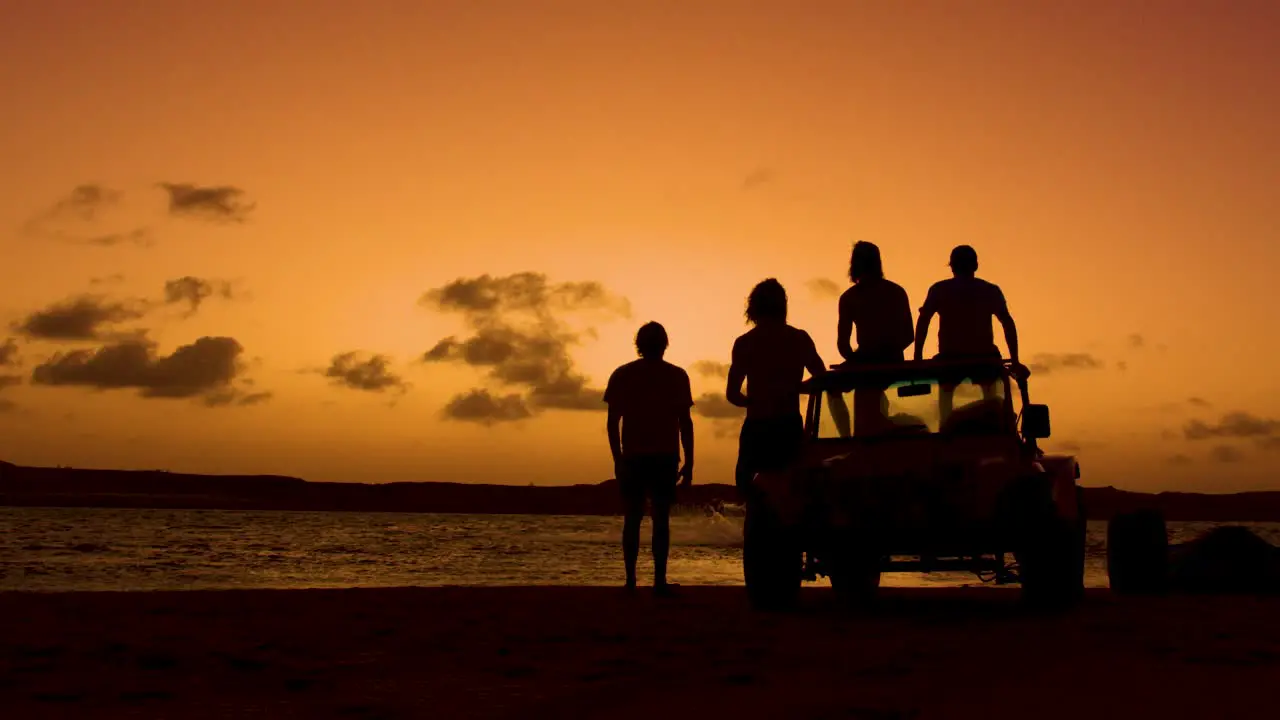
<point x="917" y="466"/>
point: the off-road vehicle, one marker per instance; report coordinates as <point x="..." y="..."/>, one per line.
<point x="919" y="466"/>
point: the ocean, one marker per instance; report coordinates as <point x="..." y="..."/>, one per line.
<point x="73" y="549"/>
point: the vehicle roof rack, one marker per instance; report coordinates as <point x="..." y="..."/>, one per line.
<point x="846" y="376"/>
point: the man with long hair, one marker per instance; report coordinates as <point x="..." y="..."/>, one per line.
<point x="880" y="312"/>
<point x="649" y="401"/>
<point x="877" y="307"/>
<point x="771" y="358"/>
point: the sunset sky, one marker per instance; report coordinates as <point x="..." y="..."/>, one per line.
<point x="296" y="180"/>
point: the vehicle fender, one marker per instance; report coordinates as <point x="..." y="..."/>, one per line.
<point x="780" y="491"/>
<point x="1062" y="472"/>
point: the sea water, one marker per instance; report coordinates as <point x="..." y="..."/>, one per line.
<point x="60" y="549"/>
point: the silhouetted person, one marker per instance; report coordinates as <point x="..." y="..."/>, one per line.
<point x="878" y="308"/>
<point x="771" y="358"/>
<point x="881" y="314"/>
<point x="965" y="306"/>
<point x="650" y="399"/>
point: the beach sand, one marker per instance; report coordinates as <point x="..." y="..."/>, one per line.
<point x="562" y="652"/>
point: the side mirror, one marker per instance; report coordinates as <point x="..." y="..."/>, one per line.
<point x="1035" y="421"/>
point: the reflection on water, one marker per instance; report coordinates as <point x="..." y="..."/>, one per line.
<point x="99" y="549"/>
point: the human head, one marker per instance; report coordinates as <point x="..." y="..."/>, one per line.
<point x="964" y="261"/>
<point x="767" y="301"/>
<point x="651" y="341"/>
<point x="864" y="262"/>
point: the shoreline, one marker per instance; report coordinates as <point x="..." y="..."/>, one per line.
<point x="558" y="651"/>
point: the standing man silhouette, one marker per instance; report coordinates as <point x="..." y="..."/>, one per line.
<point x="649" y="403"/>
<point x="771" y="358"/>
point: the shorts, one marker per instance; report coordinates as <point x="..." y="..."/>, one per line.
<point x="772" y="443"/>
<point x="652" y="477"/>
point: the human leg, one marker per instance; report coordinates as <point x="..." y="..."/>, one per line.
<point x="633" y="497"/>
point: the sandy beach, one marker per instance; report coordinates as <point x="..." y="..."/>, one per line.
<point x="594" y="652"/>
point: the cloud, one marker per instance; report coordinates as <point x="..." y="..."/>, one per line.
<point x="1199" y="402"/>
<point x="1179" y="459"/>
<point x="7" y="406"/>
<point x="141" y="237"/>
<point x="84" y="203"/>
<point x="716" y="406"/>
<point x="711" y="368"/>
<point x="79" y="318"/>
<point x="1232" y="425"/>
<point x="222" y="203"/>
<point x="1045" y="363"/>
<point x="1122" y="366"/>
<point x="481" y="406"/>
<point x="519" y="336"/>
<point x="234" y="396"/>
<point x="1137" y="341"/>
<point x="759" y="177"/>
<point x="823" y="288"/>
<point x="203" y="369"/>
<point x="7" y="381"/>
<point x="1225" y="454"/>
<point x="107" y="279"/>
<point x="194" y="290"/>
<point x="372" y="374"/>
<point x="9" y="353"/>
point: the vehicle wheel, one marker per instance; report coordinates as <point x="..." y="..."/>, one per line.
<point x="855" y="571"/>
<point x="1138" y="553"/>
<point x="771" y="561"/>
<point x="1051" y="552"/>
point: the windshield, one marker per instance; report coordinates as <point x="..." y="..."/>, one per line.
<point x="918" y="407"/>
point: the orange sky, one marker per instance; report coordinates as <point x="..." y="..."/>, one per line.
<point x="331" y="162"/>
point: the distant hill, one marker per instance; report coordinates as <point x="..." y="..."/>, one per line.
<point x="71" y="487"/>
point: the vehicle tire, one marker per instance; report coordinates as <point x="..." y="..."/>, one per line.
<point x="771" y="560"/>
<point x="1138" y="553"/>
<point x="855" y="570"/>
<point x="1051" y="550"/>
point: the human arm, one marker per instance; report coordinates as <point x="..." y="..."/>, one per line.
<point x="813" y="361"/>
<point x="844" y="328"/>
<point x="903" y="327"/>
<point x="1010" y="328"/>
<point x="686" y="432"/>
<point x="614" y="428"/>
<point x="737" y="375"/>
<point x="922" y="325"/>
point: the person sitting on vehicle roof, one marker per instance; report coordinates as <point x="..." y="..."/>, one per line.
<point x="771" y="358"/>
<point x="880" y="312"/>
<point x="965" y="305"/>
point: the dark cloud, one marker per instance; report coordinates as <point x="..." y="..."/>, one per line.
<point x="481" y="406"/>
<point x="520" y="338"/>
<point x="84" y="203"/>
<point x="1225" y="454"/>
<point x="79" y="318"/>
<point x="1179" y="459"/>
<point x="9" y="353"/>
<point x="1232" y="425"/>
<point x="1137" y="341"/>
<point x="1045" y="363"/>
<point x="7" y="381"/>
<point x="7" y="406"/>
<point x="711" y="368"/>
<point x="372" y="374"/>
<point x="203" y="369"/>
<point x="1199" y="402"/>
<point x="716" y="406"/>
<point x="223" y="203"/>
<point x="759" y="177"/>
<point x="235" y="396"/>
<point x="107" y="279"/>
<point x="141" y="237"/>
<point x="1122" y="366"/>
<point x="1269" y="443"/>
<point x="823" y="288"/>
<point x="194" y="290"/>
